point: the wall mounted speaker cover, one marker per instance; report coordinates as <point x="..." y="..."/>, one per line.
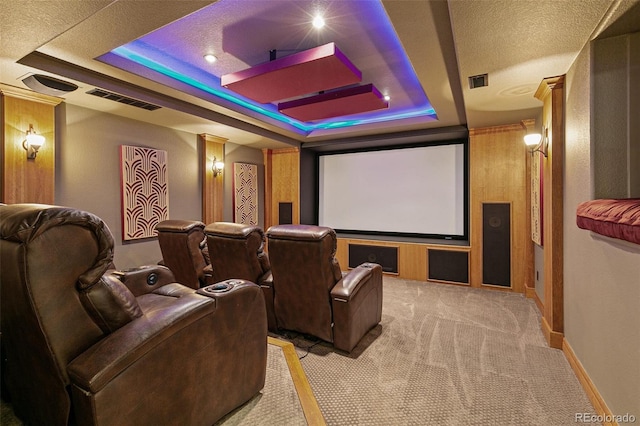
<point x="496" y="244"/>
<point x="385" y="256"/>
<point x="48" y="85"/>
<point x="448" y="265"/>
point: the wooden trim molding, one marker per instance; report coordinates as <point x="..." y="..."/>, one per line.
<point x="496" y="129"/>
<point x="530" y="293"/>
<point x="554" y="338"/>
<point x="286" y="150"/>
<point x="589" y="387"/>
<point x="551" y="93"/>
<point x="267" y="155"/>
<point x="308" y="400"/>
<point x="29" y="95"/>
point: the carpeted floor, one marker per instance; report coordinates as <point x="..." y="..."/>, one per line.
<point x="279" y="391"/>
<point x="446" y="355"/>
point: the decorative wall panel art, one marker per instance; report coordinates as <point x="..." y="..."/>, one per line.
<point x="537" y="208"/>
<point x="145" y="191"/>
<point x="245" y="193"/>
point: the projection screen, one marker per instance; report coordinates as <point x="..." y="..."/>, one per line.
<point x="417" y="191"/>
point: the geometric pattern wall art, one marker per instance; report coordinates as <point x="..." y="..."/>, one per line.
<point x="537" y="198"/>
<point x="245" y="193"/>
<point x="144" y="191"/>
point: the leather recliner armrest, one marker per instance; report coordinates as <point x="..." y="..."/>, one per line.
<point x="352" y="281"/>
<point x="356" y="302"/>
<point x="145" y="279"/>
<point x="185" y="345"/>
<point x="108" y="358"/>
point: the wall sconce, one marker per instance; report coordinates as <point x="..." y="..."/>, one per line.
<point x="538" y="142"/>
<point x="32" y="143"/>
<point x="216" y="167"/>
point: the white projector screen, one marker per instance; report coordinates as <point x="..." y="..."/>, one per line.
<point x="418" y="191"/>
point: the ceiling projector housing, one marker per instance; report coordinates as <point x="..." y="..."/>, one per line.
<point x="48" y="85"/>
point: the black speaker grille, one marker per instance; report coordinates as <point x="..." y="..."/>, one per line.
<point x="387" y="257"/>
<point x="496" y="244"/>
<point x="285" y="213"/>
<point x="448" y="265"/>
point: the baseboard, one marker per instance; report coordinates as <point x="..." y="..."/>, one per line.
<point x="530" y="293"/>
<point x="554" y="338"/>
<point x="594" y="396"/>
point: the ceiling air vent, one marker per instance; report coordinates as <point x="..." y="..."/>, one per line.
<point x="481" y="80"/>
<point x="123" y="99"/>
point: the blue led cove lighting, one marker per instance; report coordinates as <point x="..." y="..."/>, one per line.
<point x="152" y="58"/>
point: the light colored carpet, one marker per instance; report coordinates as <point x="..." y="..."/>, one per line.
<point x="276" y="404"/>
<point x="446" y="355"/>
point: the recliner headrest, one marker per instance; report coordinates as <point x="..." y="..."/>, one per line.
<point x="232" y="230"/>
<point x="178" y="225"/>
<point x="22" y="223"/>
<point x="300" y="232"/>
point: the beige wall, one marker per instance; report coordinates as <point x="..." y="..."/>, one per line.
<point x="88" y="172"/>
<point x="601" y="275"/>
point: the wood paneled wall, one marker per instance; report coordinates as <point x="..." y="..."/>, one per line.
<point x="412" y="257"/>
<point x="27" y="180"/>
<point x="498" y="173"/>
<point x="212" y="186"/>
<point x="282" y="183"/>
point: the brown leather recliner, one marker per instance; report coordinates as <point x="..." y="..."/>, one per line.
<point x="311" y="294"/>
<point x="113" y="348"/>
<point x="237" y="251"/>
<point x="183" y="247"/>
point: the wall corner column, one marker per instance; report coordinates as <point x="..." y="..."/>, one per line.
<point x="25" y="180"/>
<point x="212" y="186"/>
<point x="551" y="93"/>
<point x="282" y="184"/>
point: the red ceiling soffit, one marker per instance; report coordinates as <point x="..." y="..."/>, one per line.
<point x="314" y="70"/>
<point x="348" y="101"/>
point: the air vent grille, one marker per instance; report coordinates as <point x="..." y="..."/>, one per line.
<point x="481" y="80"/>
<point x="122" y="99"/>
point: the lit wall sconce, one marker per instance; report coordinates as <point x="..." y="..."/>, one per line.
<point x="538" y="142"/>
<point x="32" y="143"/>
<point x="217" y="167"/>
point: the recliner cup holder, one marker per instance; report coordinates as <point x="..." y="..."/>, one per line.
<point x="221" y="287"/>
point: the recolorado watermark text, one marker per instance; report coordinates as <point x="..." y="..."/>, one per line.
<point x="604" y="418"/>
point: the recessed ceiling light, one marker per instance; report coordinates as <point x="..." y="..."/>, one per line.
<point x="387" y="97"/>
<point x="318" y="21"/>
<point x="210" y="57"/>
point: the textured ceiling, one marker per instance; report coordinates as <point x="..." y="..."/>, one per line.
<point x="518" y="43"/>
<point x="529" y="41"/>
